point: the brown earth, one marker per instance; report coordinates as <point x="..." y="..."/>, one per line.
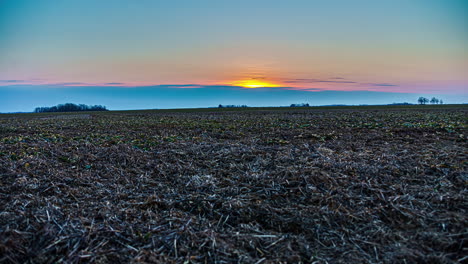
<point x="310" y="186"/>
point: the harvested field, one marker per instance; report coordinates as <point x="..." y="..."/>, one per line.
<point x="289" y="186"/>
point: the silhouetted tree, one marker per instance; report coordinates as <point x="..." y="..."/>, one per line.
<point x="422" y="100"/>
<point x="434" y="100"/>
<point x="68" y="107"/>
<point x="300" y="105"/>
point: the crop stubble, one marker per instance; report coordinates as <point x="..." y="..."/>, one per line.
<point x="343" y="186"/>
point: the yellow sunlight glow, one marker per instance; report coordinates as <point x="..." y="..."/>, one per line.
<point x="254" y="83"/>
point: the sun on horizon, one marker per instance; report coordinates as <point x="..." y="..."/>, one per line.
<point x="254" y="83"/>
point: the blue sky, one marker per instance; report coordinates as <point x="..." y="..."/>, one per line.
<point x="415" y="47"/>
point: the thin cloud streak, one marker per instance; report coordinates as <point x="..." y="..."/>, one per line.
<point x="384" y="84"/>
<point x="12" y="81"/>
<point x="71" y="84"/>
<point x="315" y="81"/>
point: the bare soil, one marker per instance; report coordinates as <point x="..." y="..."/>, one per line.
<point x="298" y="186"/>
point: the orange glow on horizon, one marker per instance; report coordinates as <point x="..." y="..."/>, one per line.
<point x="254" y="83"/>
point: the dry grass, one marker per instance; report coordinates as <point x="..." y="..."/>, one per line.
<point x="374" y="186"/>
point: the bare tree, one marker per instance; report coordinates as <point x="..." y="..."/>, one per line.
<point x="68" y="107"/>
<point x="423" y="100"/>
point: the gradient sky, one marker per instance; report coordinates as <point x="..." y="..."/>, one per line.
<point x="408" y="47"/>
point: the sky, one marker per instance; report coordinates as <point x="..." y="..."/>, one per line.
<point x="129" y="54"/>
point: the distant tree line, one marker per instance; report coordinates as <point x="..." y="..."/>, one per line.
<point x="424" y="100"/>
<point x="231" y="106"/>
<point x="404" y="103"/>
<point x="300" y="105"/>
<point x="70" y="108"/>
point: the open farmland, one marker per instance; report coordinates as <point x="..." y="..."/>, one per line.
<point x="345" y="185"/>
